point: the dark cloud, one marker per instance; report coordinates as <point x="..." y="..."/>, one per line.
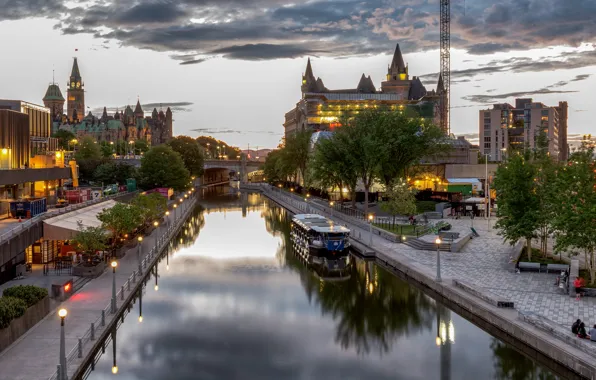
<point x="494" y="98"/>
<point x="193" y="61"/>
<point x="209" y="131"/>
<point x="271" y="29"/>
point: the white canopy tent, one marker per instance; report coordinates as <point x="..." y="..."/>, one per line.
<point x="65" y="227"/>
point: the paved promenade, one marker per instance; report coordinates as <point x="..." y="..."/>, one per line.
<point x="484" y="261"/>
<point x="36" y="354"/>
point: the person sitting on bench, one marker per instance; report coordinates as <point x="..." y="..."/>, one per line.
<point x="575" y="326"/>
<point x="581" y="333"/>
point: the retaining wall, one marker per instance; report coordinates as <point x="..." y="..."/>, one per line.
<point x="22" y="324"/>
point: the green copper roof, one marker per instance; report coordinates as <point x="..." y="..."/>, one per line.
<point x="53" y="93"/>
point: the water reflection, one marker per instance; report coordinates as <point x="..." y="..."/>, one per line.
<point x="254" y="311"/>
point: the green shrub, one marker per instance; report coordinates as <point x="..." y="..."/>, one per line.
<point x="11" y="308"/>
<point x="425" y="206"/>
<point x="28" y="293"/>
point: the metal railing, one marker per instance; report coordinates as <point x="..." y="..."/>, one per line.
<point x="98" y="326"/>
<point x="59" y="211"/>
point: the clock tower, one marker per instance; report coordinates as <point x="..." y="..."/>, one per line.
<point x="75" y="95"/>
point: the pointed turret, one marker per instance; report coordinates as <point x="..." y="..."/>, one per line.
<point x="440" y="85"/>
<point x="154" y="114"/>
<point x="104" y="115"/>
<point x="366" y="85"/>
<point x="138" y="110"/>
<point x="308" y="73"/>
<point x="309" y="82"/>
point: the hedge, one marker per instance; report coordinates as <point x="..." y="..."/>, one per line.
<point x="425" y="206"/>
<point x="11" y="308"/>
<point x="28" y="293"/>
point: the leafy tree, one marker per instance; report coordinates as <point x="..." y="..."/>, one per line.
<point x="106" y="149"/>
<point x="141" y="146"/>
<point x="88" y="149"/>
<point x="296" y="152"/>
<point x="403" y="139"/>
<point x="359" y="136"/>
<point x="518" y="211"/>
<point x="64" y="137"/>
<point x="401" y="200"/>
<point x="90" y="239"/>
<point x="162" y="167"/>
<point x="575" y="216"/>
<point x="331" y="166"/>
<point x="271" y="167"/>
<point x="114" y="172"/>
<point x="191" y="153"/>
<point x="152" y="206"/>
<point x="120" y="219"/>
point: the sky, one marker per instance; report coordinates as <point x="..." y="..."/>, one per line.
<point x="232" y="68"/>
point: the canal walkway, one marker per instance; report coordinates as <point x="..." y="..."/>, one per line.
<point x="35" y="355"/>
<point x="483" y="262"/>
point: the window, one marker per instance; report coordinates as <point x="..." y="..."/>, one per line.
<point x="487" y="139"/>
<point x="487" y="145"/>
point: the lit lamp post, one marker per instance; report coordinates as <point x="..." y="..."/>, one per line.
<point x="331" y="207"/>
<point x="63" y="373"/>
<point x="140" y="239"/>
<point x="155" y="224"/>
<point x="175" y="212"/>
<point x="168" y="219"/>
<point x="370" y="229"/>
<point x="438" y="243"/>
<point x="131" y="142"/>
<point x="114" y="265"/>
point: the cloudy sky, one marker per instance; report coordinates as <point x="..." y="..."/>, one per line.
<point x="232" y="68"/>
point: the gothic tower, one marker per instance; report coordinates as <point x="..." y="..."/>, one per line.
<point x="168" y="124"/>
<point x="398" y="79"/>
<point x="75" y="94"/>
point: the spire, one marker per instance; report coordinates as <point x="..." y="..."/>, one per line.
<point x="138" y="109"/>
<point x="154" y="114"/>
<point x="76" y="74"/>
<point x="398" y="60"/>
<point x="440" y="85"/>
<point x="308" y="73"/>
<point x="104" y="115"/>
<point x="168" y="111"/>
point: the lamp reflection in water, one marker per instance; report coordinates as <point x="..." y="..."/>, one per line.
<point x="156" y="276"/>
<point x="141" y="303"/>
<point x="114" y="366"/>
<point x="445" y="338"/>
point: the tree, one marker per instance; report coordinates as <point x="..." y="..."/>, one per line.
<point x="162" y="167"/>
<point x="114" y="172"/>
<point x="106" y="149"/>
<point x="296" y="151"/>
<point x="88" y="149"/>
<point x="191" y="153"/>
<point x="575" y="216"/>
<point x="401" y="200"/>
<point x="141" y="146"/>
<point x="152" y="206"/>
<point x="331" y="166"/>
<point x="518" y="211"/>
<point x="404" y="139"/>
<point x="120" y="219"/>
<point x="64" y="137"/>
<point x="271" y="167"/>
<point x="90" y="239"/>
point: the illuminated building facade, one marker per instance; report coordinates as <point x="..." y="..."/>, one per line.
<point x="40" y="125"/>
<point x="507" y="127"/>
<point x="320" y="108"/>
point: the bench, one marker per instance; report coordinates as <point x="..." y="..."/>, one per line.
<point x="449" y="235"/>
<point x="557" y="267"/>
<point x="528" y="266"/>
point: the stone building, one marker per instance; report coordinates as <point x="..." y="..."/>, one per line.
<point x="127" y="125"/>
<point x="320" y="108"/>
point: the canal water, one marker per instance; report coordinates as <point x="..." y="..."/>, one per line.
<point x="232" y="301"/>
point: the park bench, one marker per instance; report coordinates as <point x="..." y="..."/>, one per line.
<point x="449" y="235"/>
<point x="433" y="215"/>
<point x="528" y="266"/>
<point x="557" y="267"/>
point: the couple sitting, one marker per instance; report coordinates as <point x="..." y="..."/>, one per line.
<point x="579" y="328"/>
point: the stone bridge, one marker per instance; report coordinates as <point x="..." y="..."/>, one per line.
<point x="218" y="171"/>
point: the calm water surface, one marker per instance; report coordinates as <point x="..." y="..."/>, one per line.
<point x="234" y="302"/>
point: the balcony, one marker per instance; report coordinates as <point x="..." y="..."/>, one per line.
<point x="16" y="176"/>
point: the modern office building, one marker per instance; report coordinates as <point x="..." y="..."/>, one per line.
<point x="40" y="125"/>
<point x="320" y="108"/>
<point x="506" y="127"/>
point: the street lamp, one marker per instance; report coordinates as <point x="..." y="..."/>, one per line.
<point x="168" y="218"/>
<point x="331" y="207"/>
<point x="114" y="265"/>
<point x="370" y="229"/>
<point x="62" y="314"/>
<point x="175" y="211"/>
<point x="185" y="195"/>
<point x="140" y="239"/>
<point x="438" y="243"/>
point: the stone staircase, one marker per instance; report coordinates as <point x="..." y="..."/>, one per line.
<point x="425" y="245"/>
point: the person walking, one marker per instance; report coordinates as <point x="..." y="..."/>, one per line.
<point x="578" y="283"/>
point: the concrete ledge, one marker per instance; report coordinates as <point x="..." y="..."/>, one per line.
<point x="83" y="271"/>
<point x="22" y="324"/>
<point x="491" y="298"/>
<point x="458" y="244"/>
<point x="559" y="332"/>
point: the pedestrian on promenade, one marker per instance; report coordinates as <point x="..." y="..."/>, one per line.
<point x="578" y="283"/>
<point x="593" y="334"/>
<point x="575" y="326"/>
<point x="582" y="331"/>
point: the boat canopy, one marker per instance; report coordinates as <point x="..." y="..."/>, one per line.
<point x="318" y="223"/>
